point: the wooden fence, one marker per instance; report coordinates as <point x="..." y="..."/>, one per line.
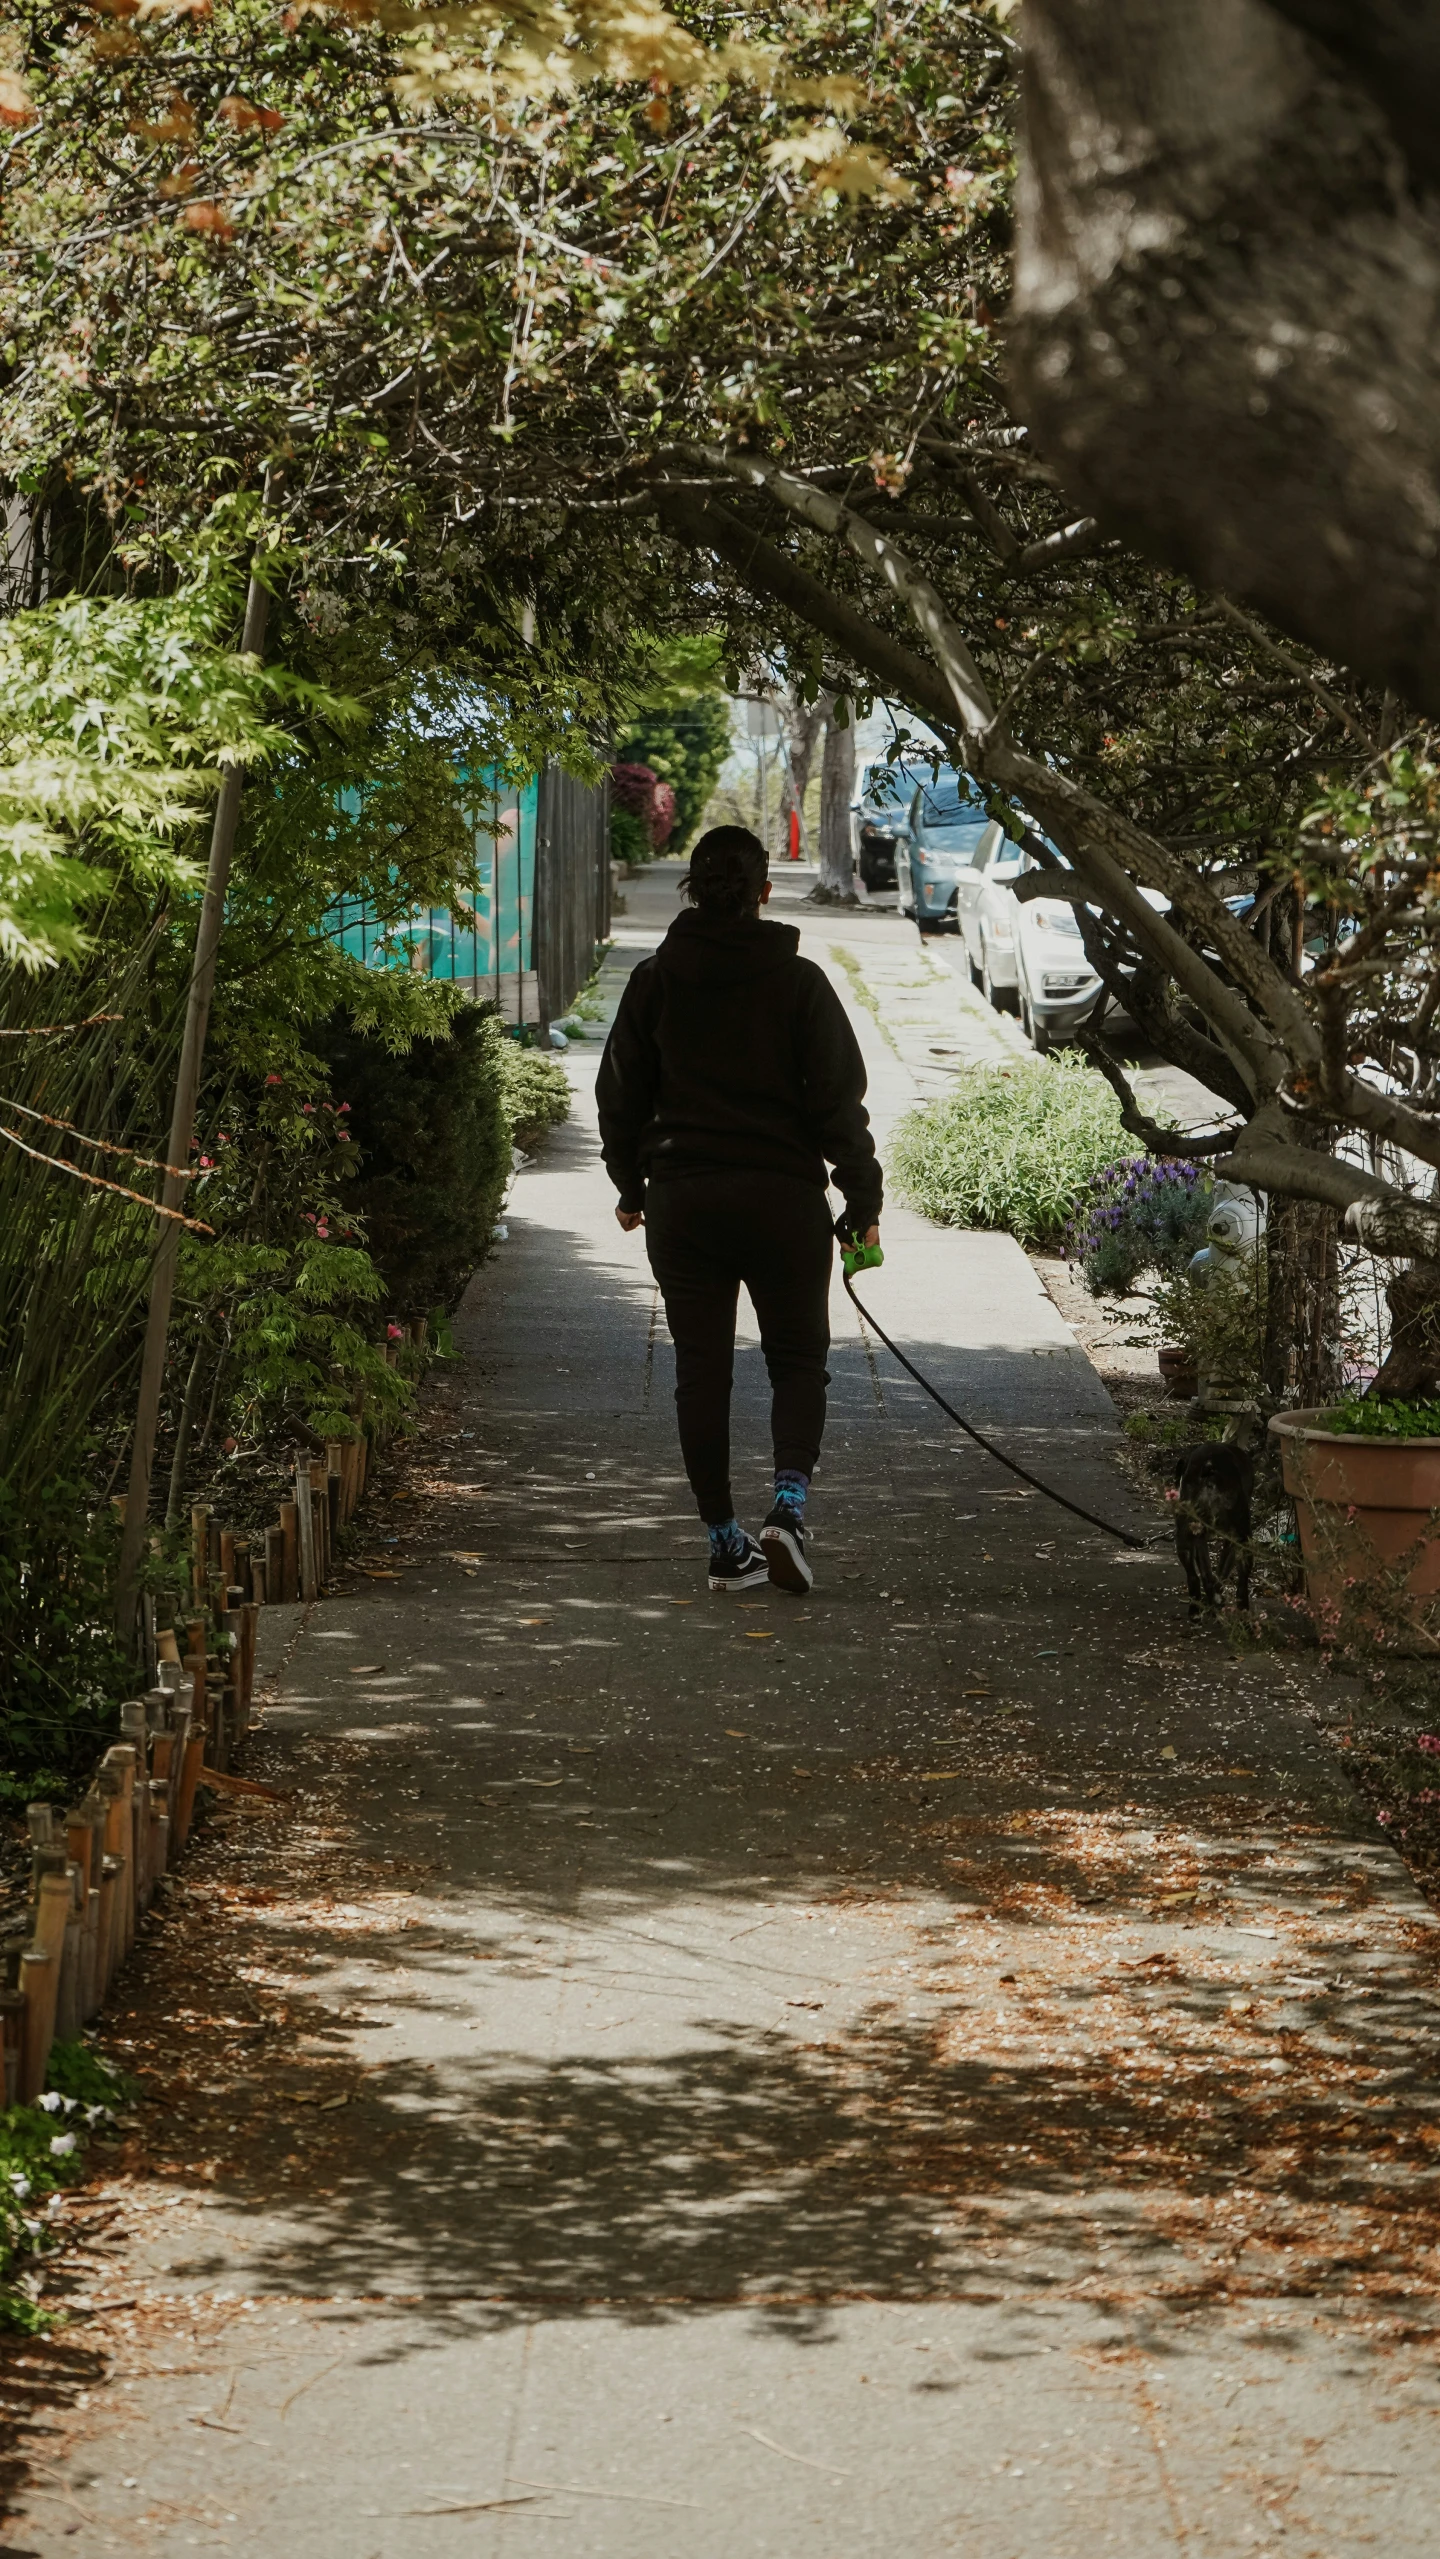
<point x="95" y="1868"/>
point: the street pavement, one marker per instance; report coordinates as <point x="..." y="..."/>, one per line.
<point x="940" y="2068"/>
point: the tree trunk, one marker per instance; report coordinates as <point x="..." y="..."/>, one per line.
<point x="1302" y="1302"/>
<point x="836" y="884"/>
<point x="1412" y="1365"/>
<point x="1223" y="319"/>
<point x="803" y="722"/>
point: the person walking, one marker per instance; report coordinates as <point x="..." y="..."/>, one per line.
<point x="731" y="1080"/>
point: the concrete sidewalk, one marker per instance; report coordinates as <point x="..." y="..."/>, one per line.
<point x="939" y="2068"/>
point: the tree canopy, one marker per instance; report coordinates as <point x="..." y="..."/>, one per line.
<point x="562" y="328"/>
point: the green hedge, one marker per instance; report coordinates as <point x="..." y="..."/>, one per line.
<point x="434" y="1127"/>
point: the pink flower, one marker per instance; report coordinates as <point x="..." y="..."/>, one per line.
<point x="343" y="1135"/>
<point x="394" y="1332"/>
<point x="321" y="1227"/>
<point x="206" y="1163"/>
<point x="309" y="1109"/>
<point x="273" y="1079"/>
<point x="344" y="1106"/>
<point x="1427" y="1741"/>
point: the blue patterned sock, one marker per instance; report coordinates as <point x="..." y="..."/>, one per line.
<point x="727" y="1538"/>
<point x="791" y="1488"/>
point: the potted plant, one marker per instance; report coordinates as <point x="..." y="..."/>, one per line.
<point x="1364" y="1476"/>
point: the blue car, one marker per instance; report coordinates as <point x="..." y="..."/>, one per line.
<point x="945" y="823"/>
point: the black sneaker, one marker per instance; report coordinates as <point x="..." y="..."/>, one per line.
<point x="740" y="1572"/>
<point x="783" y="1538"/>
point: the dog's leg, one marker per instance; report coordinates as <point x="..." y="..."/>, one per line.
<point x="1185" y="1544"/>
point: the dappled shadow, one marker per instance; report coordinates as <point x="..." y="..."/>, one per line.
<point x="1090" y="2124"/>
<point x="44" y="2380"/>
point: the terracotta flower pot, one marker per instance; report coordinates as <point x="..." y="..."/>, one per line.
<point x="1369" y="1519"/>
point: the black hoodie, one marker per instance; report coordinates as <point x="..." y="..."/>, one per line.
<point x="731" y="1053"/>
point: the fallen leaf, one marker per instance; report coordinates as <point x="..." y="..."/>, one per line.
<point x="364" y="1670"/>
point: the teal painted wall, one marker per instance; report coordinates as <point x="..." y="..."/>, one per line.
<point x="439" y="944"/>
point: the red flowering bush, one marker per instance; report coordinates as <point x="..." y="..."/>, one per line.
<point x="642" y="811"/>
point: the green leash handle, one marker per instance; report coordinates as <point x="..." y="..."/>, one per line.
<point x="860" y="1257"/>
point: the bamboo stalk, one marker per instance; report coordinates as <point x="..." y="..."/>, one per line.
<point x="68" y="2019"/>
<point x="290" y="1550"/>
<point x="182" y="1128"/>
<point x="40" y="1982"/>
<point x="111" y="1871"/>
<point x="199" y="1546"/>
<point x="226" y="1557"/>
<point x="79" y="1839"/>
<point x="274" y="1565"/>
<point x="249" y="1639"/>
<point x="305" y="1523"/>
<point x="12" y="2031"/>
<point x="194" y="1761"/>
<point x="260" y="1580"/>
<point x="158" y="1792"/>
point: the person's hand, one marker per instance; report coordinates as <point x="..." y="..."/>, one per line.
<point x="629" y="1218"/>
<point x="871" y="1235"/>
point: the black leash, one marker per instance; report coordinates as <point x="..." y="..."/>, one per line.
<point x="1141" y="1544"/>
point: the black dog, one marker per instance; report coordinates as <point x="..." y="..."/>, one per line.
<point x="1213" y="1490"/>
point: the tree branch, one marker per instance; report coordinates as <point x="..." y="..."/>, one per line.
<point x="1097" y="838"/>
<point x="760" y="564"/>
<point x="1159" y="1139"/>
<point x="1070" y="543"/>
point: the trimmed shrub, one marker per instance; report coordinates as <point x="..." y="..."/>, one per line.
<point x="534" y="1093"/>
<point x="433" y="1127"/>
<point x="1012" y="1147"/>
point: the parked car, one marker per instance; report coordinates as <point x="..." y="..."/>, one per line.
<point x="947" y="820"/>
<point x="877" y="819"/>
<point x="1028" y="956"/>
<point x="988" y="914"/>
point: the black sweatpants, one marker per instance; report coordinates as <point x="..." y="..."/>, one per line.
<point x="706" y="1233"/>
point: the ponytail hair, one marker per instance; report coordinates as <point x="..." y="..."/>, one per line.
<point x="727" y="873"/>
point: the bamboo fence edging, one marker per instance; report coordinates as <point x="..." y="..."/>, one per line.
<point x="96" y="1868"/>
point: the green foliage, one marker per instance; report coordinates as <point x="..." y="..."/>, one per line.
<point x="42" y="2149"/>
<point x="629" y="837"/>
<point x="115" y="718"/>
<point x="433" y="1137"/>
<point x="681" y="729"/>
<point x="77" y="2071"/>
<point x="1384" y="1420"/>
<point x="1219" y="1317"/>
<point x="1011" y="1147"/>
<point x="61" y="1673"/>
<point x="534" y="1093"/>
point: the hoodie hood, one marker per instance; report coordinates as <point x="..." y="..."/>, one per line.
<point x="702" y="950"/>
